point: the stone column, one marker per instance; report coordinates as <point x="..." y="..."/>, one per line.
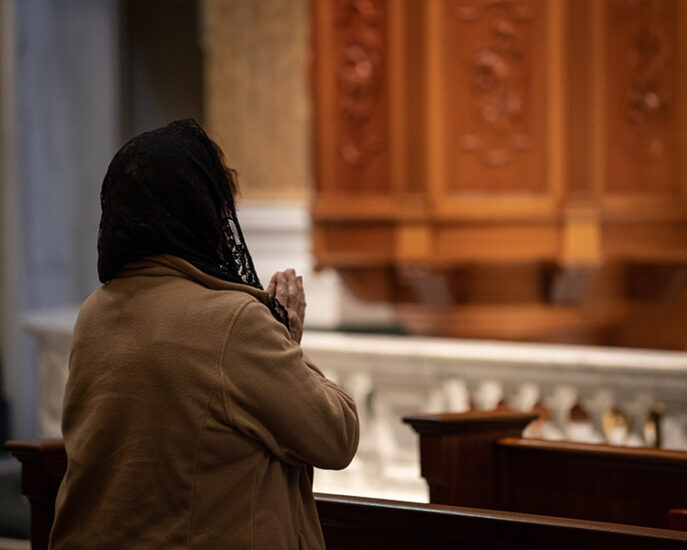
<point x="60" y="109"/>
<point x="257" y="99"/>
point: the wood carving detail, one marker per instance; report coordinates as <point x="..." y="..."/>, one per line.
<point x="498" y="80"/>
<point x="360" y="78"/>
<point x="642" y="96"/>
<point x="647" y="96"/>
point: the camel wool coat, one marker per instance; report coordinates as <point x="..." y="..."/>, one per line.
<point x="191" y="419"/>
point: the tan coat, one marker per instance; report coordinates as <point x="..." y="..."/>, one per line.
<point x="190" y="419"/>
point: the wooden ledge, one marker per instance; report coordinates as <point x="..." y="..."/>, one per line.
<point x="37" y="450"/>
<point x="394" y="524"/>
<point x="640" y="454"/>
<point x="46" y="456"/>
<point x="32" y="446"/>
<point x="455" y="423"/>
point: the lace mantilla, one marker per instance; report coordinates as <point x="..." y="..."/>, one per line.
<point x="168" y="191"/>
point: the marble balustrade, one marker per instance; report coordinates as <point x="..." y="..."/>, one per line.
<point x="584" y="390"/>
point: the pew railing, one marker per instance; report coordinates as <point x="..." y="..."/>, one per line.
<point x="369" y="524"/>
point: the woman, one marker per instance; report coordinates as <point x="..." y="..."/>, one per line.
<point x="192" y="419"/>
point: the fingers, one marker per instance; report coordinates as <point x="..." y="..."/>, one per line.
<point x="287" y="287"/>
<point x="282" y="289"/>
<point x="272" y="286"/>
<point x="293" y="286"/>
<point x="295" y="328"/>
<point x="301" y="295"/>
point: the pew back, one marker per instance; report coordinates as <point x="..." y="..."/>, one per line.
<point x="477" y="459"/>
<point x="597" y="482"/>
<point x="369" y="524"/>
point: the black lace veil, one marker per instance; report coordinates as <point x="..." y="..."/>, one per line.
<point x="168" y="191"/>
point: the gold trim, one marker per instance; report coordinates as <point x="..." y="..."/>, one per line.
<point x="556" y="123"/>
<point x="325" y="143"/>
<point x="599" y="118"/>
<point x="435" y="145"/>
<point x="396" y="48"/>
<point x="681" y="96"/>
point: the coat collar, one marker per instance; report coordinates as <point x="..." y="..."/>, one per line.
<point x="167" y="265"/>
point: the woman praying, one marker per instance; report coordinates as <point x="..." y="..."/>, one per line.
<point x="192" y="419"/>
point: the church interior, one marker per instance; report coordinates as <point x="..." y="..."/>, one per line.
<point x="487" y="200"/>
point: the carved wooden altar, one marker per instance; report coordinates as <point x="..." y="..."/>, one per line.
<point x="507" y="168"/>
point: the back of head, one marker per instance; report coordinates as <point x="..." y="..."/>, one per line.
<point x="167" y="191"/>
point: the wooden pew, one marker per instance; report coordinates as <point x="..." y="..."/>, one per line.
<point x="369" y="524"/>
<point x="479" y="459"/>
<point x="43" y="464"/>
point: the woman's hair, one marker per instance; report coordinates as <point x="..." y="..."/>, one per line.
<point x="168" y="191"/>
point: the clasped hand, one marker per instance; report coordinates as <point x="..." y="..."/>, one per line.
<point x="287" y="287"/>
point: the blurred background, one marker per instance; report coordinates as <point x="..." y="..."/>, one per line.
<point x="443" y="172"/>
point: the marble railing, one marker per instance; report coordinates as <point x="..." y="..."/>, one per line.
<point x="622" y="396"/>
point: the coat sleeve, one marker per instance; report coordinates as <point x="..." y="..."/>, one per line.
<point x="274" y="394"/>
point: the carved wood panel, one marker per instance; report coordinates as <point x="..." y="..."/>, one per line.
<point x="461" y="136"/>
<point x="641" y="96"/>
<point x="494" y="93"/>
<point x="360" y="46"/>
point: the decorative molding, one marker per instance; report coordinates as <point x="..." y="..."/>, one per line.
<point x="360" y="77"/>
